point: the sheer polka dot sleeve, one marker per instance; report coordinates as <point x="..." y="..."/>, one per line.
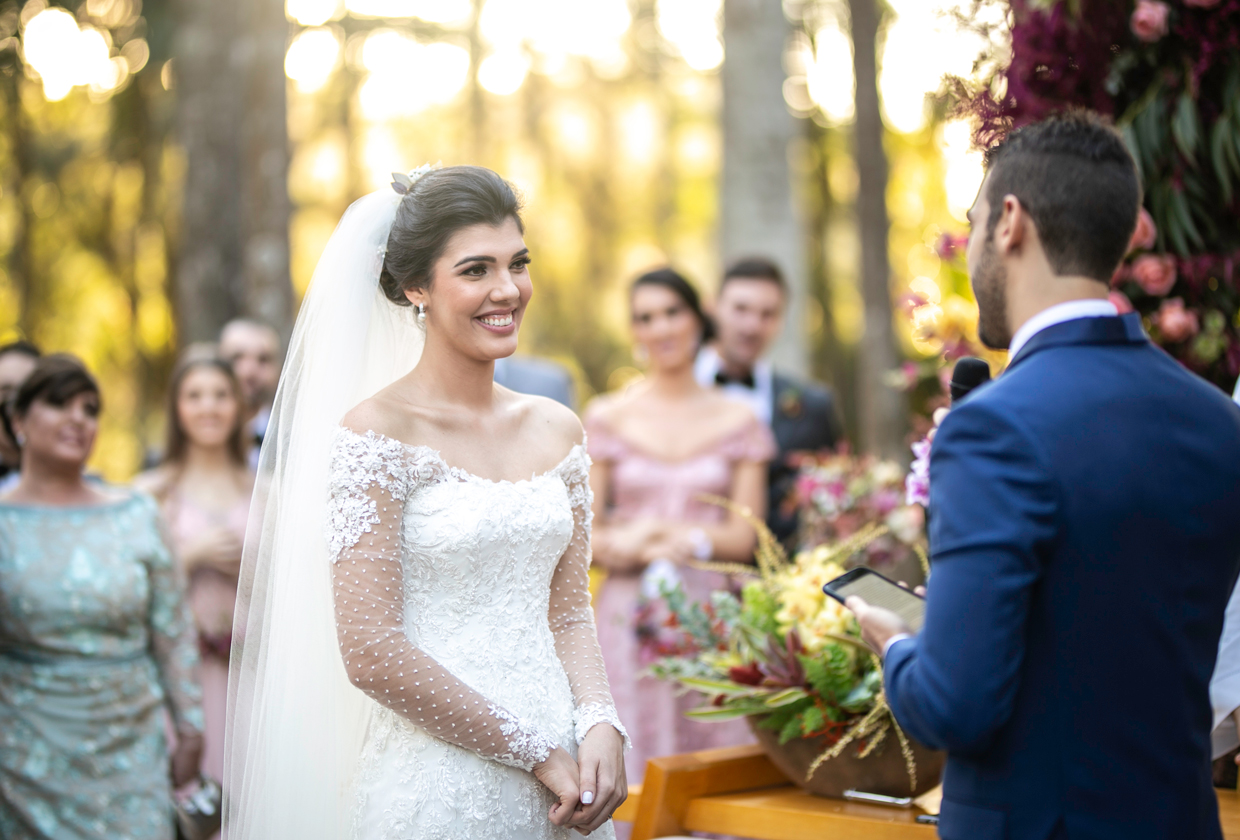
<point x="570" y="615"/>
<point x="371" y="478"/>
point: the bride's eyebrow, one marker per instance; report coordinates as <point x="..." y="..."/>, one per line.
<point x="474" y="259"/>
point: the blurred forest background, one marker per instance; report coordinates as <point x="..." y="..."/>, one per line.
<point x="168" y="164"/>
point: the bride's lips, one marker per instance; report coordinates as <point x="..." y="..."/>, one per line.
<point x="500" y="323"/>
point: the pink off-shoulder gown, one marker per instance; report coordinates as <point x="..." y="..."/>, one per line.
<point x="212" y="597"/>
<point x="645" y="486"/>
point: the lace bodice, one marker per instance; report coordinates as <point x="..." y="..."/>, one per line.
<point x="454" y="592"/>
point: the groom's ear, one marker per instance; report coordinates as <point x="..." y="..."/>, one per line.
<point x="1010" y="230"/>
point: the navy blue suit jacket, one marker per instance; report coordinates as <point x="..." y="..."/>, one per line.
<point x="1085" y="535"/>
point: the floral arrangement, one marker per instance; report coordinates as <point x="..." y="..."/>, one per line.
<point x="1168" y="73"/>
<point x="839" y="494"/>
<point x="944" y="330"/>
<point x="784" y="652"/>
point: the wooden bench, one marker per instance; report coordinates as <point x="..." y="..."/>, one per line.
<point x="738" y="791"/>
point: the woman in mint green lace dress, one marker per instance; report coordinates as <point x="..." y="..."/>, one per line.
<point x="95" y="640"/>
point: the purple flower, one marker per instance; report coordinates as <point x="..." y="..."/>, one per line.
<point x="917" y="483"/>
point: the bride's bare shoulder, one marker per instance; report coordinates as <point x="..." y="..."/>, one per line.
<point x="382" y="415"/>
<point x="553" y="422"/>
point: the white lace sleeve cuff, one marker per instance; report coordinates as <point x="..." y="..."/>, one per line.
<point x="527" y="746"/>
<point x="590" y="715"/>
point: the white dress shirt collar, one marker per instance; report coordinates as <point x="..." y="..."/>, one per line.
<point x="1058" y="314"/>
<point x="760" y="398"/>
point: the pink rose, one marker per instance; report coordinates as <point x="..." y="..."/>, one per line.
<point x="1175" y="322"/>
<point x="949" y="245"/>
<point x="1120" y="302"/>
<point x="1155" y="274"/>
<point x="1146" y="234"/>
<point x="1149" y="20"/>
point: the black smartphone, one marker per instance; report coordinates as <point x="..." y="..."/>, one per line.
<point x="879" y="591"/>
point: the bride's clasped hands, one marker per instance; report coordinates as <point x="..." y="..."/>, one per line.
<point x="588" y="791"/>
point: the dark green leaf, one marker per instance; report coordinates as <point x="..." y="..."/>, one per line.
<point x="812" y="720"/>
<point x="1179" y="206"/>
<point x="1186" y="126"/>
<point x="1134" y="148"/>
<point x="792" y="729"/>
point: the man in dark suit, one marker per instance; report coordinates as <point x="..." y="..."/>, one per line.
<point x="1083" y="533"/>
<point x="748" y="315"/>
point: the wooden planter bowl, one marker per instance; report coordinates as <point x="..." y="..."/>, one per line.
<point x="882" y="771"/>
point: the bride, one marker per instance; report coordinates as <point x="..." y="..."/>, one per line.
<point x="416" y="654"/>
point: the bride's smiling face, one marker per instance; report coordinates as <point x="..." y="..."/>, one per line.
<point x="478" y="292"/>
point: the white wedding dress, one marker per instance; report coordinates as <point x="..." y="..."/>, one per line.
<point x="463" y="611"/>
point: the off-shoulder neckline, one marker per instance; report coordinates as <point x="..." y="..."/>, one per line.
<point x="459" y="472"/>
<point x="603" y="425"/>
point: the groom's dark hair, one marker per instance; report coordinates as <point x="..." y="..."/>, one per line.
<point x="439" y="204"/>
<point x="1078" y="183"/>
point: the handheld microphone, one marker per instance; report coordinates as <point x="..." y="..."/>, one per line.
<point x="970" y="372"/>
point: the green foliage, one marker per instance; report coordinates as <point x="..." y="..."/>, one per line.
<point x="759" y="607"/>
<point x="832" y="673"/>
<point x="812" y="720"/>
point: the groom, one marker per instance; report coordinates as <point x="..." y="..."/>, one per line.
<point x="1084" y="533"/>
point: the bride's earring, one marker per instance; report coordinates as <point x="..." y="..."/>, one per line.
<point x="422" y="314"/>
<point x="641" y="355"/>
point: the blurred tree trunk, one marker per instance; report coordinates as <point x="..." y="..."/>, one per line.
<point x="230" y="85"/>
<point x="835" y="362"/>
<point x="881" y="409"/>
<point x="20" y="165"/>
<point x="759" y="216"/>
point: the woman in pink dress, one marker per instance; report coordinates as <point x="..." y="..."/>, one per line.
<point x="657" y="447"/>
<point x="203" y="488"/>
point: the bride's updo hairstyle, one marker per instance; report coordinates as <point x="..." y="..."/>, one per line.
<point x="439" y="204"/>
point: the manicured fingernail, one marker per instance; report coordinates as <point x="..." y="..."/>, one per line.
<point x="587" y="798"/>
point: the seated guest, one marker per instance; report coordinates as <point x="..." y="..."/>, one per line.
<point x="656" y="448"/>
<point x="748" y="315"/>
<point x="537" y="377"/>
<point x="95" y="640"/>
<point x="1082" y="531"/>
<point x="17" y="359"/>
<point x="203" y="488"/>
<point x="252" y="349"/>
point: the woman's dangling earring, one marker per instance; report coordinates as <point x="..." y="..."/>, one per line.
<point x="641" y="355"/>
<point x="20" y="439"/>
<point x="422" y="314"/>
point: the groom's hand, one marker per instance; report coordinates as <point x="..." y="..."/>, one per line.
<point x="878" y="626"/>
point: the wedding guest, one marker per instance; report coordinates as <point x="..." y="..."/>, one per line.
<point x="95" y="639"/>
<point x="656" y="448"/>
<point x="749" y="314"/>
<point x="537" y="377"/>
<point x="253" y="350"/>
<point x="17" y="359"/>
<point x="203" y="488"/>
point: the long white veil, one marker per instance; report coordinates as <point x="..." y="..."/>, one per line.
<point x="295" y="723"/>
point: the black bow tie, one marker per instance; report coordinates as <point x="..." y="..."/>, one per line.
<point x="722" y="378"/>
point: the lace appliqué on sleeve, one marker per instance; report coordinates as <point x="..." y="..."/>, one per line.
<point x="528" y="746"/>
<point x="570" y="616"/>
<point x="591" y="715"/>
<point x="360" y="462"/>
